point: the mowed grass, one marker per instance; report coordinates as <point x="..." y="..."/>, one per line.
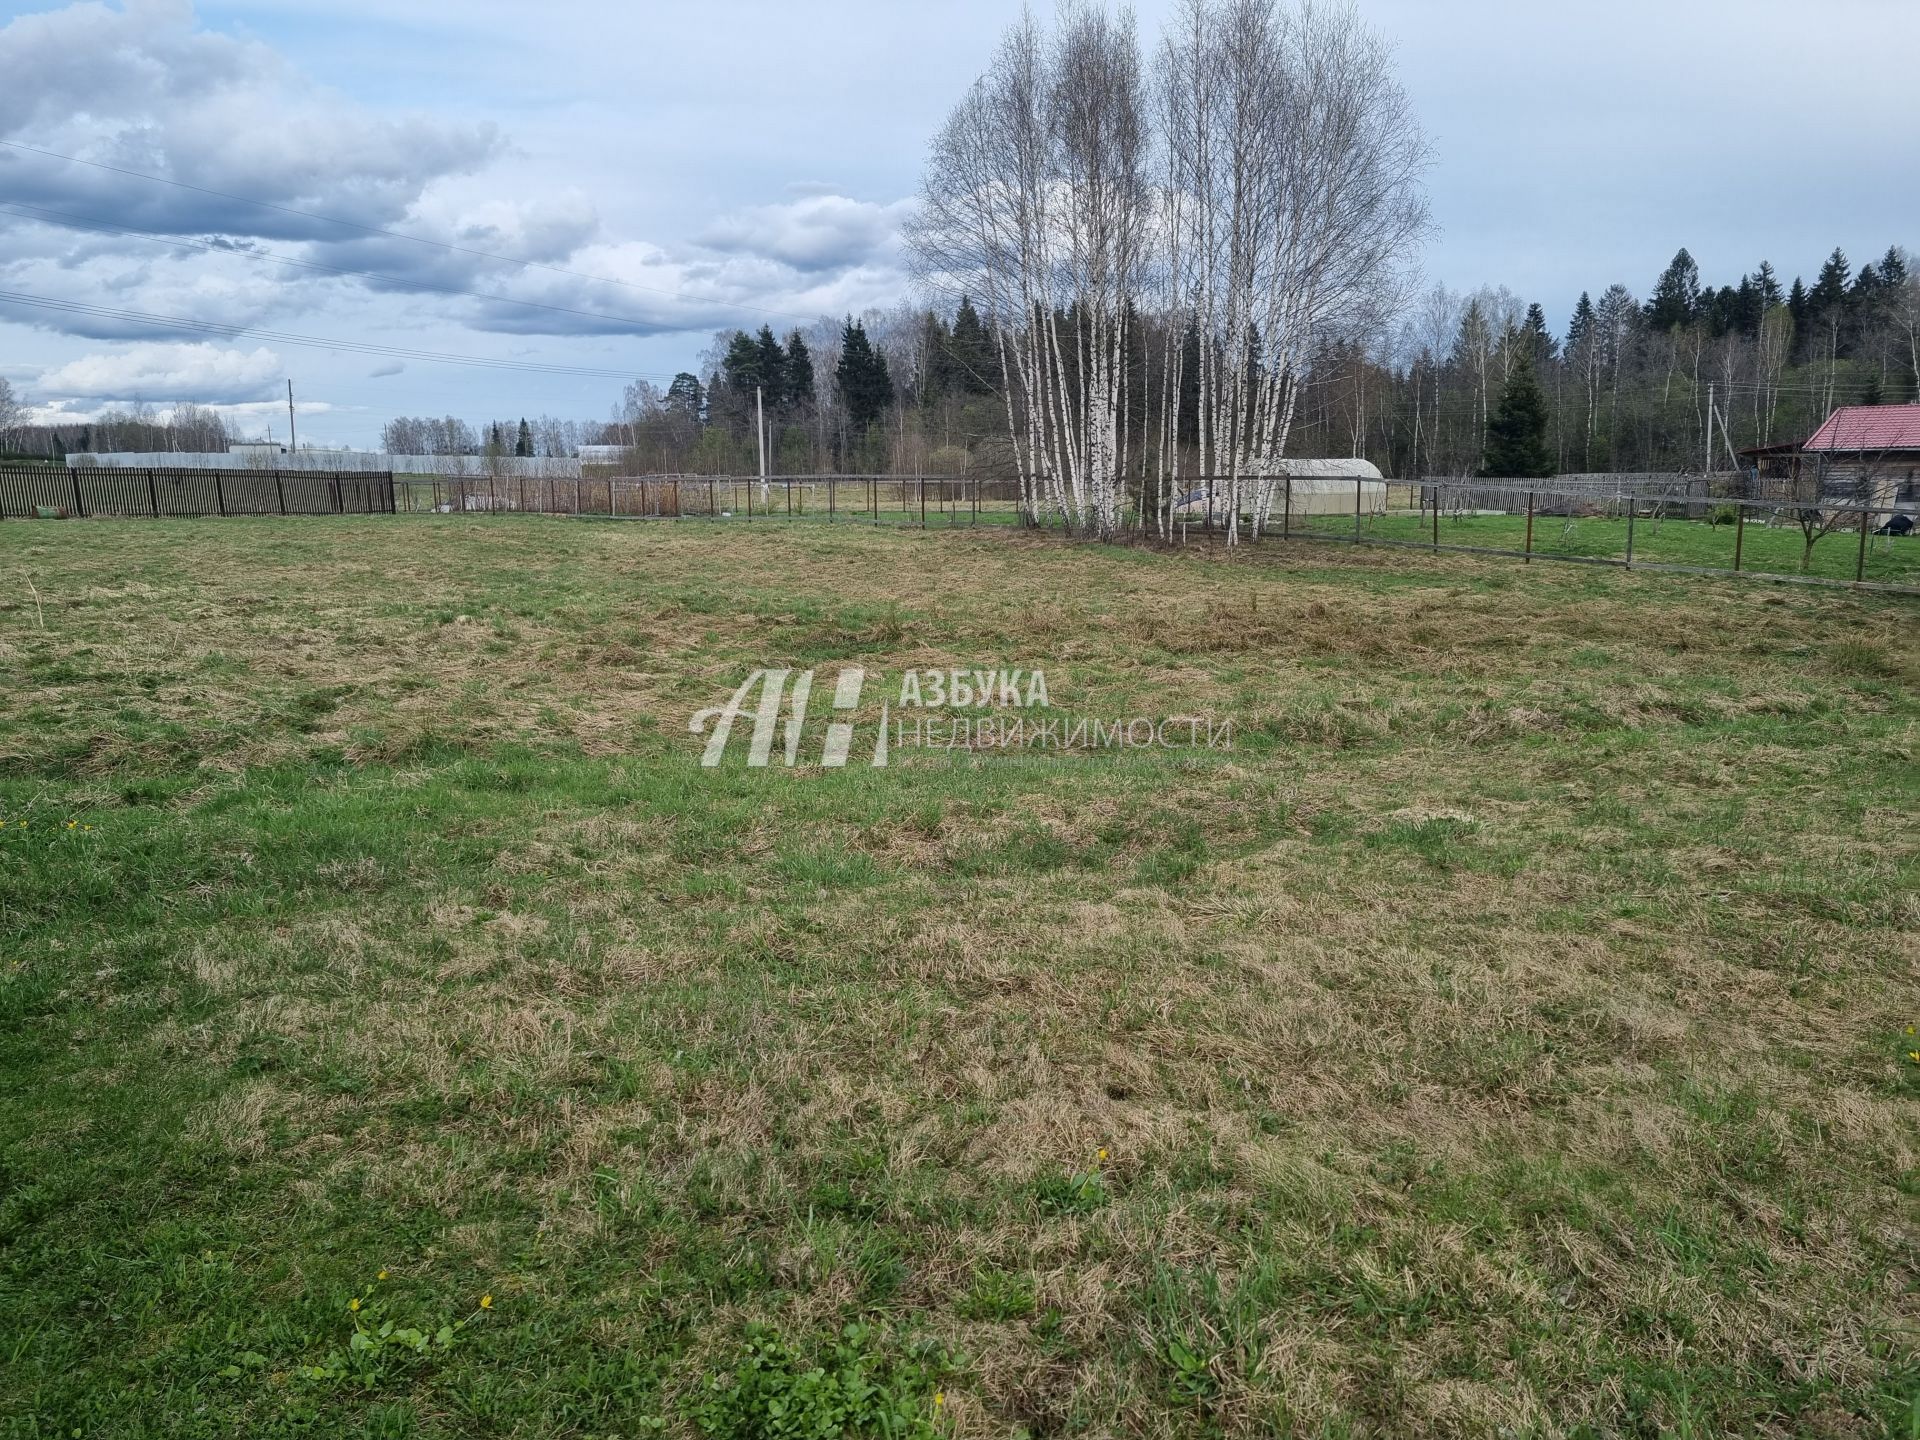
<point x="1509" y="1036"/>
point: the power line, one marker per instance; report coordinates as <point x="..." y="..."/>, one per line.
<point x="402" y="235"/>
<point x="280" y="337"/>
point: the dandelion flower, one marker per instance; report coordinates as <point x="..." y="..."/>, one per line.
<point x="354" y="1303"/>
<point x="1102" y="1155"/>
<point x="486" y="1302"/>
<point x="939" y="1398"/>
<point x="381" y="1276"/>
<point x="1914" y="1055"/>
<point x="73" y="824"/>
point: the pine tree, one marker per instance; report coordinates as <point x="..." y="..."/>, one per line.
<point x="1893" y="268"/>
<point x="1676" y="294"/>
<point x="1768" y="285"/>
<point x="683" y="396"/>
<point x="1517" y="433"/>
<point x="523" y="442"/>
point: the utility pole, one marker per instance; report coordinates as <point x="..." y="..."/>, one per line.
<point x="760" y="439"/>
<point x="1710" y="413"/>
<point x="293" y="442"/>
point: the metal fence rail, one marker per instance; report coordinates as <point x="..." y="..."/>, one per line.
<point x="1818" y="540"/>
<point x="83" y="492"/>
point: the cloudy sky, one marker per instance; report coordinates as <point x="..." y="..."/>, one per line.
<point x="739" y="162"/>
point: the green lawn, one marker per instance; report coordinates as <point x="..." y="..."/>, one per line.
<point x="1508" y="1036"/>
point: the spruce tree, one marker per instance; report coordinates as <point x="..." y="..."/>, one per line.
<point x="1517" y="433"/>
<point x="1581" y="325"/>
<point x="976" y="361"/>
<point x="865" y="387"/>
<point x="1830" y="289"/>
<point x="771" y="369"/>
<point x="523" y="442"/>
<point x="1893" y="267"/>
<point x="1676" y="294"/>
<point x="798" y="386"/>
<point x="1541" y="346"/>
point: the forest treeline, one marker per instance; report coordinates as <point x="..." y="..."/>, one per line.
<point x="1626" y="384"/>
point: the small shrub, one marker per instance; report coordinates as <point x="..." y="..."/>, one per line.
<point x="856" y="1389"/>
<point x="1723" y="515"/>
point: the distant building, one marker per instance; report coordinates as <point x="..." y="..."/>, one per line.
<point x="1863" y="454"/>
<point x="1314" y="487"/>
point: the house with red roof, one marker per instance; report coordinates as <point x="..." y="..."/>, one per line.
<point x="1863" y="454"/>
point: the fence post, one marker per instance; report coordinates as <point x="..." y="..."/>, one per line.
<point x="830" y="499"/>
<point x="79" y="505"/>
<point x="1529" y="550"/>
<point x="219" y="494"/>
<point x="1434" y="490"/>
<point x="1356" y="509"/>
<point x="1286" y="510"/>
<point x="923" y="502"/>
<point x="976" y="499"/>
<point x="153" y="496"/>
<point x="1860" y="565"/>
<point x="1632" y="510"/>
<point x="1739" y="532"/>
<point x="339" y="500"/>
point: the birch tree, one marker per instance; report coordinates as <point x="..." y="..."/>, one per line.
<point x="1296" y="162"/>
<point x="1036" y="204"/>
<point x="1260" y="203"/>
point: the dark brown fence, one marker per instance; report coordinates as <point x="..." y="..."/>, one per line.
<point x="84" y="491"/>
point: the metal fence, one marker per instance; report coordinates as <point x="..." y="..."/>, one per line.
<point x="875" y="499"/>
<point x="1688" y="530"/>
<point x="30" y="491"/>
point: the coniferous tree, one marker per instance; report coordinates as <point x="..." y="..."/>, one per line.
<point x="771" y="369"/>
<point x="1517" y="433"/>
<point x="1830" y="289"/>
<point x="976" y="364"/>
<point x="684" y="397"/>
<point x="866" y="389"/>
<point x="1541" y="347"/>
<point x="523" y="442"/>
<point x="1676" y="294"/>
<point x="798" y="384"/>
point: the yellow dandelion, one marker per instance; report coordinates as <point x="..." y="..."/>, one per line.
<point x="1914" y="1055"/>
<point x="73" y="824"/>
<point x="939" y="1398"/>
<point x="486" y="1302"/>
<point x="354" y="1304"/>
<point x="1102" y="1155"/>
<point x="381" y="1276"/>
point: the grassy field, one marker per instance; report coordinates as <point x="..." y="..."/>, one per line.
<point x="402" y="1034"/>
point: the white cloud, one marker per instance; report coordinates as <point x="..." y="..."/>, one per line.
<point x="813" y="232"/>
<point x="203" y="374"/>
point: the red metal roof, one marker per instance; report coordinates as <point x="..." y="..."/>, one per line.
<point x="1869" y="427"/>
